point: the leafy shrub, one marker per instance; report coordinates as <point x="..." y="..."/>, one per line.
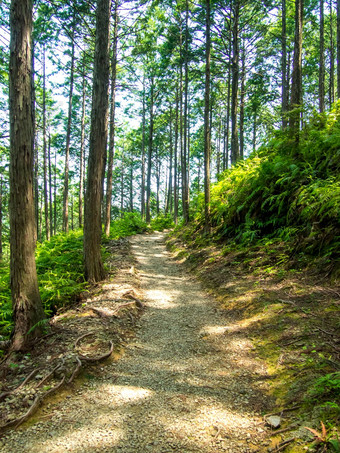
<point x="60" y="269"/>
<point x="325" y="387"/>
<point x="286" y="191"/>
<point x="131" y="223"/>
<point x="162" y="222"/>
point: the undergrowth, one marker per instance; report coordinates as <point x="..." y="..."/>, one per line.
<point x="286" y="192"/>
<point x="60" y="269"/>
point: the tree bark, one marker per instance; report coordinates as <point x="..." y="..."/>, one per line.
<point x="82" y="153"/>
<point x="112" y="123"/>
<point x="47" y="222"/>
<point x="242" y="101"/>
<point x="143" y="154"/>
<point x="50" y="203"/>
<point x="207" y="135"/>
<point x="322" y="59"/>
<point x="148" y="178"/>
<point x="331" y="57"/>
<point x="284" y="66"/>
<point x="176" y="160"/>
<point x="338" y="45"/>
<point x="227" y="129"/>
<point x="168" y="206"/>
<point x="1" y="183"/>
<point x="185" y="182"/>
<point x="27" y="306"/>
<point x="94" y="270"/>
<point x="68" y="134"/>
<point x="235" y="150"/>
<point x="296" y="88"/>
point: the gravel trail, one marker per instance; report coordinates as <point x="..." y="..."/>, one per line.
<point x="187" y="383"/>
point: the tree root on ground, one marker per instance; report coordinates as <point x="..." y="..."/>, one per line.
<point x="36" y="403"/>
<point x="10" y="392"/>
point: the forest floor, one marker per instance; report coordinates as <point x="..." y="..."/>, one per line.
<point x="187" y="376"/>
<point x="188" y="382"/>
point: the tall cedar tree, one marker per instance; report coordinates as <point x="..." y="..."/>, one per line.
<point x="94" y="270"/>
<point x="296" y="93"/>
<point x="112" y="123"/>
<point x="207" y="138"/>
<point x="27" y="306"/>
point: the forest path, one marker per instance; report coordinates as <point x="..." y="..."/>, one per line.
<point x="188" y="382"/>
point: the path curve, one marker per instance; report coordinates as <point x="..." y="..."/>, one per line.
<point x="187" y="383"/>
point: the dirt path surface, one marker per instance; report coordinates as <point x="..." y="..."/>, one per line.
<point x="188" y="383"/>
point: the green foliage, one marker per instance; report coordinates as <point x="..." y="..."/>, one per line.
<point x="60" y="269"/>
<point x="327" y="386"/>
<point x="131" y="223"/>
<point x="162" y="222"/>
<point x="285" y="191"/>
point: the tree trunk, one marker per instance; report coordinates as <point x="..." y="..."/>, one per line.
<point x="36" y="184"/>
<point x="112" y="123"/>
<point x="296" y="88"/>
<point x="227" y="131"/>
<point x="148" y="179"/>
<point x="55" y="194"/>
<point x="235" y="150"/>
<point x="254" y="130"/>
<point x="68" y="134"/>
<point x="322" y="60"/>
<point x="284" y="66"/>
<point x="131" y="185"/>
<point x="122" y="184"/>
<point x="27" y="306"/>
<point x="47" y="222"/>
<point x="207" y="136"/>
<point x="331" y="57"/>
<point x="143" y="155"/>
<point x="242" y="101"/>
<point x="82" y="153"/>
<point x="157" y="180"/>
<point x="1" y="251"/>
<point x="168" y="206"/>
<point x="185" y="182"/>
<point x="338" y="46"/>
<point x="50" y="203"/>
<point x="94" y="270"/>
<point x="176" y="160"/>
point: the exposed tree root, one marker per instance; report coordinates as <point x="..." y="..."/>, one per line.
<point x="5" y="394"/>
<point x="75" y="371"/>
<point x="282" y="445"/>
<point x="51" y="373"/>
<point x="38" y="399"/>
<point x="98" y="358"/>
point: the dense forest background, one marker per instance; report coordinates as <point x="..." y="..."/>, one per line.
<point x="194" y="89"/>
<point x="158" y="63"/>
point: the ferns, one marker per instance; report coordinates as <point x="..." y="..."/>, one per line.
<point x="286" y="191"/>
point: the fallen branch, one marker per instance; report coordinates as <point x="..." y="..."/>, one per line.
<point x="101" y="357"/>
